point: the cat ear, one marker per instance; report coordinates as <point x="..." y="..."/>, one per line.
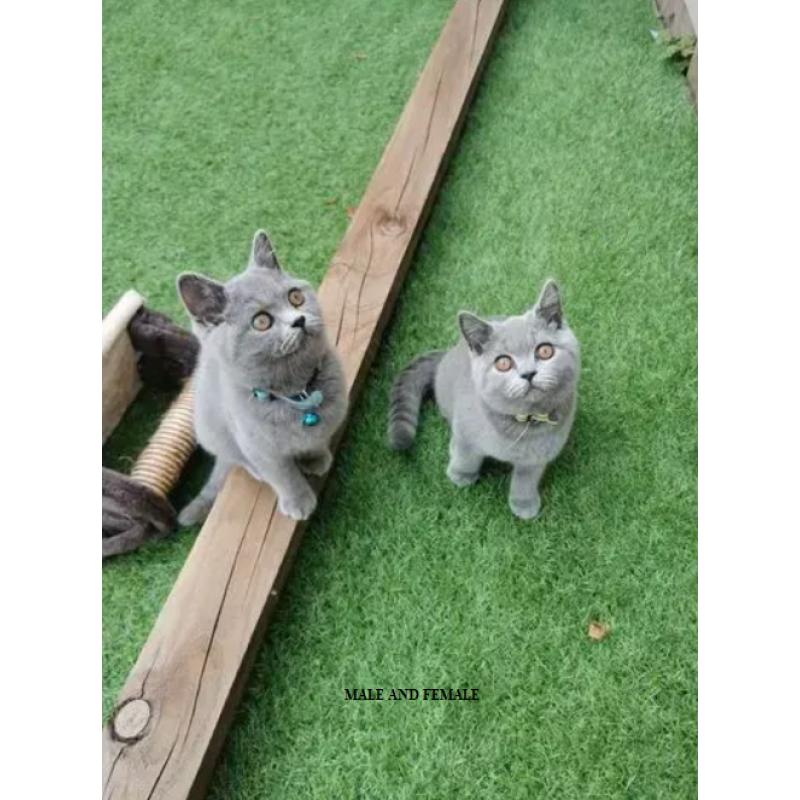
<point x="263" y="253"/>
<point x="476" y="332"/>
<point x="204" y="298"/>
<point x="548" y="306"/>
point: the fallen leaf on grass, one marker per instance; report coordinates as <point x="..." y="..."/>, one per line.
<point x="359" y="56"/>
<point x="598" y="631"/>
<point x="331" y="201"/>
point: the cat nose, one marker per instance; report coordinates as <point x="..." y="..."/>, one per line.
<point x="300" y="322"/>
<point x="528" y="376"/>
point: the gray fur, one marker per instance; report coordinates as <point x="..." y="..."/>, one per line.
<point x="481" y="403"/>
<point x="265" y="437"/>
<point x="408" y="392"/>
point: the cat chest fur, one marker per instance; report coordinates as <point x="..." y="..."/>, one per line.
<point x="505" y="439"/>
<point x="273" y="418"/>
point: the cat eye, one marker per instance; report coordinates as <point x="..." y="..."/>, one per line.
<point x="545" y="351"/>
<point x="503" y="363"/>
<point x="262" y="321"/>
<point x="296" y="297"/>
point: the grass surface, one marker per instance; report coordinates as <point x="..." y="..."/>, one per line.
<point x="578" y="161"/>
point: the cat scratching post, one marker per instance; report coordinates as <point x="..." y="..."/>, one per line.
<point x="160" y="464"/>
<point x="135" y="507"/>
<point x="139" y="344"/>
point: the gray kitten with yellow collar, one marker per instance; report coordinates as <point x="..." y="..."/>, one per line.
<point x="508" y="390"/>
<point x="269" y="389"/>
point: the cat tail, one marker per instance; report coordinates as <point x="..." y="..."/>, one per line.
<point x="410" y="388"/>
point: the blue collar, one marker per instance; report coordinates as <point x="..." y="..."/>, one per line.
<point x="306" y="401"/>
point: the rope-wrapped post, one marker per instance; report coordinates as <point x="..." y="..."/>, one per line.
<point x="135" y="506"/>
<point x="160" y="464"/>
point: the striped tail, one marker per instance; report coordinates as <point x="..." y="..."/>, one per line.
<point x="408" y="391"/>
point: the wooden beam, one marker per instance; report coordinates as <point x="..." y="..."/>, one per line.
<point x="120" y="376"/>
<point x="176" y="706"/>
<point x="680" y="19"/>
<point x="679" y="16"/>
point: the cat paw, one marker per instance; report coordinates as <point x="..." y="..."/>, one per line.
<point x="298" y="507"/>
<point x="194" y="513"/>
<point x="527" y="508"/>
<point x="317" y="464"/>
<point x="460" y="478"/>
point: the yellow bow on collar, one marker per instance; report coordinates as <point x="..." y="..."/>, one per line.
<point x="535" y="418"/>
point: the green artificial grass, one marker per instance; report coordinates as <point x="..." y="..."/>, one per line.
<point x="578" y="161"/>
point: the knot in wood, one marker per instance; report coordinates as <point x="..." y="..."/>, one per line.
<point x="391" y="224"/>
<point x="130" y="720"/>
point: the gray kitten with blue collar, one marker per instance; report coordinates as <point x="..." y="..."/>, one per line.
<point x="508" y="390"/>
<point x="269" y="389"/>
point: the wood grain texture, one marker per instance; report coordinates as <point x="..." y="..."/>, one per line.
<point x="121" y="380"/>
<point x="192" y="669"/>
<point x="679" y="16"/>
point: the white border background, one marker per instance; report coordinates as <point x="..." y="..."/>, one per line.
<point x="50" y="63"/>
<point x="749" y="401"/>
<point x="50" y="254"/>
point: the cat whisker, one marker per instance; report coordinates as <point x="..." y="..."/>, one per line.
<point x="522" y="433"/>
<point x="289" y="344"/>
<point x="518" y="390"/>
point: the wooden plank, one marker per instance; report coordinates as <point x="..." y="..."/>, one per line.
<point x="177" y="703"/>
<point x="680" y="19"/>
<point x="121" y="380"/>
<point x="691" y="77"/>
<point x="679" y="16"/>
